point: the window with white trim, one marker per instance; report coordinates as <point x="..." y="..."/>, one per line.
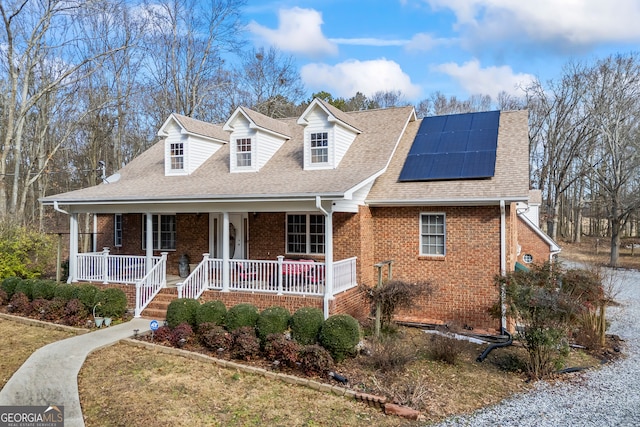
<point x="243" y="152"/>
<point x="305" y="234"/>
<point x="432" y="234"/>
<point x="528" y="258"/>
<point x="164" y="232"/>
<point x="177" y="155"/>
<point x="319" y="147"/>
<point x="117" y="230"/>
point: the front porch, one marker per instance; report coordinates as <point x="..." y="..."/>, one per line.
<point x="279" y="277"/>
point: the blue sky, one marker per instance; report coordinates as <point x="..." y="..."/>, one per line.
<point x="457" y="47"/>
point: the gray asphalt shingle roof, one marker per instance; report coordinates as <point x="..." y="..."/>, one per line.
<point x="283" y="175"/>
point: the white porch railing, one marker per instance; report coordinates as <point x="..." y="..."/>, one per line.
<point x="344" y="275"/>
<point x="149" y="286"/>
<point x="207" y="275"/>
<point x="291" y="277"/>
<point x="106" y="268"/>
<point x="281" y="276"/>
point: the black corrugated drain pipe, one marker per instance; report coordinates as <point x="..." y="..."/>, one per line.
<point x="492" y="347"/>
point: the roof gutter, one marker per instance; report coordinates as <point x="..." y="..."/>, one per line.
<point x="57" y="208"/>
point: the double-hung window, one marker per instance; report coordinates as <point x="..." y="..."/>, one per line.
<point x="243" y="152"/>
<point x="177" y="155"/>
<point x="164" y="232"/>
<point x="305" y="234"/>
<point x="319" y="147"/>
<point x="117" y="230"/>
<point x="432" y="234"/>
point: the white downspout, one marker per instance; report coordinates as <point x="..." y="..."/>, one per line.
<point x="503" y="263"/>
<point x="328" y="256"/>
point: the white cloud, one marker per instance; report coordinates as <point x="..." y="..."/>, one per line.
<point x="574" y="22"/>
<point x="370" y="42"/>
<point x="486" y="81"/>
<point x="422" y="42"/>
<point x="299" y="31"/>
<point x="347" y="78"/>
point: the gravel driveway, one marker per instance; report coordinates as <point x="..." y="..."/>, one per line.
<point x="609" y="396"/>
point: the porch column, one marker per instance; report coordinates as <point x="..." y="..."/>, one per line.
<point x="328" y="260"/>
<point x="73" y="248"/>
<point x="225" y="252"/>
<point x="149" y="242"/>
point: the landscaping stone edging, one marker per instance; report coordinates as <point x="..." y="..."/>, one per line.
<point x="379" y="402"/>
<point x="43" y="324"/>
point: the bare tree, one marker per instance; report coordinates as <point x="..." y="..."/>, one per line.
<point x="613" y="99"/>
<point x="184" y="46"/>
<point x="270" y="82"/>
<point x="559" y="133"/>
<point x="43" y="54"/>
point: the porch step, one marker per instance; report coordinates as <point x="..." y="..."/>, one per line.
<point x="157" y="308"/>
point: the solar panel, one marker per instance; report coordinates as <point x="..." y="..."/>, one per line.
<point x="460" y="146"/>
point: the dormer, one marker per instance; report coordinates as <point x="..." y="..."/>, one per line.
<point x="328" y="134"/>
<point x="188" y="143"/>
<point x="254" y="138"/>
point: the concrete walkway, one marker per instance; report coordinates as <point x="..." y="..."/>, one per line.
<point x="50" y="375"/>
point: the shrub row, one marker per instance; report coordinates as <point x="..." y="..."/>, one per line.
<point x="19" y="293"/>
<point x="217" y="327"/>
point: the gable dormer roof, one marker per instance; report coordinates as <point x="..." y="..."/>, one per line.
<point x="190" y="126"/>
<point x="260" y="122"/>
<point x="335" y="115"/>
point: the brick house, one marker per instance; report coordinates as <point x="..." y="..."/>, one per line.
<point x="296" y="212"/>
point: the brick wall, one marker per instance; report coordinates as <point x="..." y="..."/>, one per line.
<point x="532" y="244"/>
<point x="262" y="301"/>
<point x="353" y="302"/>
<point x="463" y="278"/>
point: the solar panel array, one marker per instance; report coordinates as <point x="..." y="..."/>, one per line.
<point x="459" y="146"/>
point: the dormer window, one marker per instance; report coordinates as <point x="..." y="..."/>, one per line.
<point x="243" y="152"/>
<point x="319" y="147"/>
<point x="177" y="155"/>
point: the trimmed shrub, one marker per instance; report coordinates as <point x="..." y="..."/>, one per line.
<point x="211" y="312"/>
<point x="54" y="310"/>
<point x="272" y="320"/>
<point x="25" y="287"/>
<point x="9" y="285"/>
<point x="305" y="325"/>
<point x="315" y="360"/>
<point x="181" y="335"/>
<point x="340" y="334"/>
<point x="278" y="347"/>
<point x="113" y="303"/>
<point x="87" y="294"/>
<point x="38" y="308"/>
<point x="182" y="310"/>
<point x="44" y="289"/>
<point x="214" y="337"/>
<point x="19" y="303"/>
<point x="245" y="343"/>
<point x="68" y="292"/>
<point x="241" y="315"/>
<point x="162" y="334"/>
<point x="75" y="313"/>
<point x="3" y="297"/>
